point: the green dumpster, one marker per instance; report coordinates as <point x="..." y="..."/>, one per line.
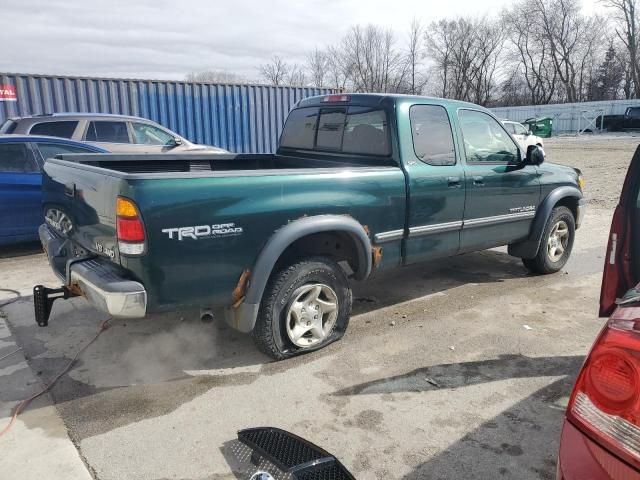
<point x="541" y="127"/>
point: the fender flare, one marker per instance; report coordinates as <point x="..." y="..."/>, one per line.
<point x="529" y="248"/>
<point x="243" y="317"/>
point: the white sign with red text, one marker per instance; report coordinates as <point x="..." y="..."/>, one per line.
<point x="8" y="93"/>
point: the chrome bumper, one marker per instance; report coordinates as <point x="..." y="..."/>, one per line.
<point x="580" y="211"/>
<point x="108" y="292"/>
<point x="98" y="280"/>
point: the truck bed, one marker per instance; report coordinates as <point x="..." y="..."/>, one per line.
<point x="181" y="163"/>
<point x="254" y="194"/>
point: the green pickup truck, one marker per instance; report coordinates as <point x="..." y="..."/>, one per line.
<point x="359" y="183"/>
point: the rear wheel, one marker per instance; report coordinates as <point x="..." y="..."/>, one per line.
<point x="557" y="242"/>
<point x="305" y="307"/>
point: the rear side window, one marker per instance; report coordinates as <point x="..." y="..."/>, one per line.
<point x="16" y="158"/>
<point x="146" y="134"/>
<point x="432" y="135"/>
<point x="357" y="130"/>
<point x="54" y="129"/>
<point x="106" y="131"/>
<point x="50" y="150"/>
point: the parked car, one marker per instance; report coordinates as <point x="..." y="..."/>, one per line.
<point x="116" y="133"/>
<point x="359" y="183"/>
<point x="21" y="160"/>
<point x="630" y="120"/>
<point x="522" y="135"/>
<point x="601" y="433"/>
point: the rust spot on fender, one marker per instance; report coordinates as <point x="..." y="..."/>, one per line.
<point x="376" y="253"/>
<point x="238" y="294"/>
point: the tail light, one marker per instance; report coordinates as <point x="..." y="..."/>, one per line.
<point x="605" y="403"/>
<point x="131" y="236"/>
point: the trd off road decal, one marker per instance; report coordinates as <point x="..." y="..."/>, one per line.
<point x="203" y="231"/>
<point x="528" y="208"/>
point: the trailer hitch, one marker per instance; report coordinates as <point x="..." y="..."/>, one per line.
<point x="43" y="299"/>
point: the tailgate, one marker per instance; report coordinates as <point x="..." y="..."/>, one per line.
<point x="79" y="205"/>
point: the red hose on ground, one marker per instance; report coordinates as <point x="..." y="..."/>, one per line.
<point x="24" y="403"/>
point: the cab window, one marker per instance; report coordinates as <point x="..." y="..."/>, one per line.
<point x="432" y="135"/>
<point x="485" y="140"/>
<point x="356" y="129"/>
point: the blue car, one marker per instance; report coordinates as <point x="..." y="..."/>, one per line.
<point x="21" y="160"/>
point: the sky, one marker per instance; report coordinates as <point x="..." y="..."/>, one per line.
<point x="165" y="39"/>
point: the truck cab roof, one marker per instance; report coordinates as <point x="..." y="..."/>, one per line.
<point x="375" y="99"/>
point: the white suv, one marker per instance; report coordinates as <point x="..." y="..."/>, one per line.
<point x="522" y="135"/>
<point x="116" y="133"/>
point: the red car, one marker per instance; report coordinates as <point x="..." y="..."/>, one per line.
<point x="601" y="432"/>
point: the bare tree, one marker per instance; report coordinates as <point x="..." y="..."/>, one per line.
<point x="531" y="55"/>
<point x="417" y="78"/>
<point x="627" y="19"/>
<point x="573" y="38"/>
<point x="466" y="53"/>
<point x="295" y="75"/>
<point x="339" y="68"/>
<point x="275" y="72"/>
<point x="375" y="64"/>
<point x="214" y="76"/>
<point x="317" y="66"/>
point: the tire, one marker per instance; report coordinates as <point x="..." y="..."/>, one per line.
<point x="292" y="298"/>
<point x="549" y="260"/>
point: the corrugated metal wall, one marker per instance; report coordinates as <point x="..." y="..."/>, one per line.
<point x="240" y="118"/>
<point x="567" y="117"/>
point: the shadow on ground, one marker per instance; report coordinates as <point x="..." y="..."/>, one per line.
<point x="521" y="442"/>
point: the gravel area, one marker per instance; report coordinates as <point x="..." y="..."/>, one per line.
<point x="603" y="159"/>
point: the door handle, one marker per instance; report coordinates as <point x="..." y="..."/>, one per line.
<point x="478" y="181"/>
<point x="454" y="182"/>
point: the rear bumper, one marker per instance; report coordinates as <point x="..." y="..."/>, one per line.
<point x="580" y="211"/>
<point x="580" y="458"/>
<point x="99" y="280"/>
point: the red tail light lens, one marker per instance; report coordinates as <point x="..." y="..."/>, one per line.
<point x="605" y="402"/>
<point x="130" y="230"/>
<point x="129" y="226"/>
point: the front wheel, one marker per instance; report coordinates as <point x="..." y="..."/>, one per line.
<point x="305" y="307"/>
<point x="556" y="244"/>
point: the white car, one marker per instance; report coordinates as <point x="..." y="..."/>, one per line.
<point x="522" y="135"/>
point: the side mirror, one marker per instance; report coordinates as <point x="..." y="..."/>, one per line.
<point x="535" y="155"/>
<point x="177" y="141"/>
<point x="527" y="133"/>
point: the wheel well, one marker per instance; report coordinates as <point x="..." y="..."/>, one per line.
<point x="571" y="203"/>
<point x="340" y="246"/>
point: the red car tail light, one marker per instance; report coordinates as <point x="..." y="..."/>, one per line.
<point x="605" y="403"/>
<point x="129" y="226"/>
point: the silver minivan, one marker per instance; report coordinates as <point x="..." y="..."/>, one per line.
<point x="116" y="133"/>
